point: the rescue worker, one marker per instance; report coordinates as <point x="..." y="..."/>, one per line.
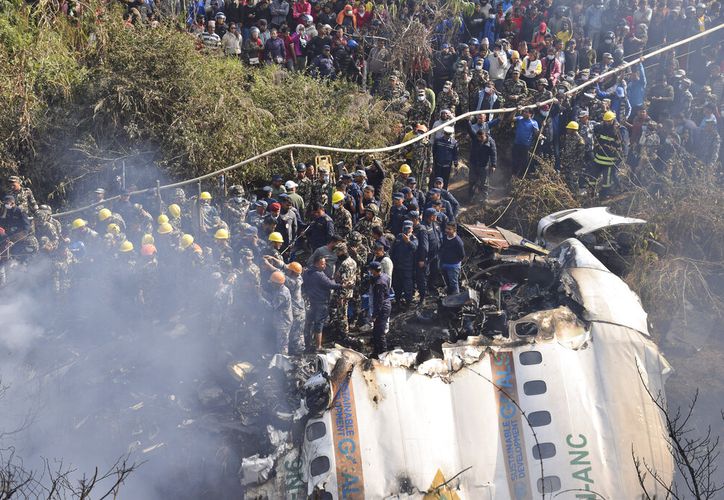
<point x="483" y="158"/>
<point x="403" y="254"/>
<point x="23" y="196"/>
<point x="573" y="156"/>
<point x="452" y="253"/>
<point x="346" y="274"/>
<point x="223" y="253"/>
<point x="380" y="307"/>
<point x="420" y="111"/>
<point x="401" y="178"/>
<point x="447" y="98"/>
<point x="321" y="228"/>
<point x="235" y="209"/>
<point x="105" y="216"/>
<point x="341" y="216"/>
<point x="279" y="304"/>
<point x="320" y="189"/>
<point x="364" y="226"/>
<point x="445" y="155"/>
<point x="515" y="89"/>
<point x="204" y="214"/>
<point x="397" y="215"/>
<point x="317" y="287"/>
<point x="294" y="284"/>
<point x="607" y="151"/>
<point x="446" y="195"/>
<point x="304" y="185"/>
<point x="18" y="239"/>
<point x="272" y="259"/>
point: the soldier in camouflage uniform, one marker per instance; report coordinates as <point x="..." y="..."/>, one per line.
<point x="573" y="156"/>
<point x="421" y="160"/>
<point x="360" y="253"/>
<point x="320" y="189"/>
<point x="235" y="209"/>
<point x="62" y="259"/>
<point x="461" y="80"/>
<point x="47" y="227"/>
<point x="447" y="98"/>
<point x="341" y="217"/>
<point x="420" y="111"/>
<point x="364" y="225"/>
<point x="24" y="198"/>
<point x="304" y="184"/>
<point x="395" y="92"/>
<point x="541" y="92"/>
<point x="299" y="308"/>
<point x="346" y="274"/>
<point x="515" y="89"/>
<point x="477" y="82"/>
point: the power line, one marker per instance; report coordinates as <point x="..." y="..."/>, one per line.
<point x="396" y="147"/>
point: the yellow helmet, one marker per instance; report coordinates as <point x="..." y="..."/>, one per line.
<point x="147" y="239"/>
<point x="277" y="277"/>
<point x="337" y="197"/>
<point x="78" y="223"/>
<point x="103" y="214"/>
<point x="186" y="241"/>
<point x="205" y="195"/>
<point x="126" y="246"/>
<point x="276" y="237"/>
<point x="113" y="228"/>
<point x="405" y="169"/>
<point x="174" y="210"/>
<point x="572" y="126"/>
<point x="165" y="228"/>
<point x="221" y="234"/>
<point x="608" y="116"/>
<point x="162" y="219"/>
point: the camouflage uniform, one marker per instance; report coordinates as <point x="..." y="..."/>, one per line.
<point x="63" y="260"/>
<point x="477" y="82"/>
<point x="25" y="200"/>
<point x="345" y="274"/>
<point x="447" y="100"/>
<point x="392" y="91"/>
<point x="364" y="227"/>
<point x="304" y="189"/>
<point x="359" y="252"/>
<point x="342" y="221"/>
<point x="319" y="193"/>
<point x="460" y="85"/>
<point x="234" y="213"/>
<point x="421" y="162"/>
<point x="299" y="314"/>
<point x="515" y="90"/>
<point x="419" y="112"/>
<point x="49" y="228"/>
<point x="573" y="157"/>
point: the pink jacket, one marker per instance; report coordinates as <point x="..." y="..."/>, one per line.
<point x="551" y="70"/>
<point x="299" y="9"/>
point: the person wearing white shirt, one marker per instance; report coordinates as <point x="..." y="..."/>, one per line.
<point x="499" y="65"/>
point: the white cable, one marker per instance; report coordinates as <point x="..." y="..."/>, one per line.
<point x="395" y="147"/>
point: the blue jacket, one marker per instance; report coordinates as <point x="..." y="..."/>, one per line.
<point x="445" y="151"/>
<point x="637" y="88"/>
<point x="380" y="292"/>
<point x="317" y="286"/>
<point x="320" y="232"/>
<point x="397" y="217"/>
<point x="403" y="254"/>
<point x="452" y="250"/>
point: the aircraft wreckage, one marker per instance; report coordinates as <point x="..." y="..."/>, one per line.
<point x="531" y="383"/>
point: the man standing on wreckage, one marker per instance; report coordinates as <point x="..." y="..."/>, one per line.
<point x="381" y="307"/>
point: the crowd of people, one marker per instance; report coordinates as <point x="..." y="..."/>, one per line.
<point x="320" y="252"/>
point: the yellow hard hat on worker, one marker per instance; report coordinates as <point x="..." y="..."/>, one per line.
<point x="609" y="116"/>
<point x="126" y="247"/>
<point x="148" y="239"/>
<point x="186" y="241"/>
<point x="337" y="196"/>
<point x="165" y="228"/>
<point x="405" y="169"/>
<point x="174" y="210"/>
<point x="572" y="125"/>
<point x="221" y="234"/>
<point x="276" y="237"/>
<point x="103" y="214"/>
<point x="162" y="219"/>
<point x="205" y="195"/>
<point x="78" y="223"/>
<point x="113" y="228"/>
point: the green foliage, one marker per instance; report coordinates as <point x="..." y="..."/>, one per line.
<point x="150" y="96"/>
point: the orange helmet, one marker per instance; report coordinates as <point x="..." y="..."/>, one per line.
<point x="277" y="277"/>
<point x="421" y="128"/>
<point x="295" y="267"/>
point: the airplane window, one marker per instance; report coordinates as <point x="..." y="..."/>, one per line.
<point x="539" y="418"/>
<point x="526" y="329"/>
<point x="530" y="358"/>
<point x="319" y="465"/>
<point x="544" y="450"/>
<point x="551" y="483"/>
<point x="532" y="388"/>
<point x="316" y="431"/>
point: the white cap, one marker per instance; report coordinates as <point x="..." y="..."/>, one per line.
<point x="449" y="130"/>
<point x="290" y="184"/>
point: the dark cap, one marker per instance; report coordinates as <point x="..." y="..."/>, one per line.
<point x="413" y="214"/>
<point x="429" y="212"/>
<point x="406" y="190"/>
<point x="251" y="231"/>
<point x="267" y="189"/>
<point x="301" y="167"/>
<point x="407" y="223"/>
<point x="8" y="197"/>
<point x="438" y="179"/>
<point x="411" y="180"/>
<point x="374" y="266"/>
<point x="277" y="177"/>
<point x="435" y="191"/>
<point x="398" y="196"/>
<point x="326" y="47"/>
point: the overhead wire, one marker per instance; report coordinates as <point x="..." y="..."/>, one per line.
<point x="395" y="147"/>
